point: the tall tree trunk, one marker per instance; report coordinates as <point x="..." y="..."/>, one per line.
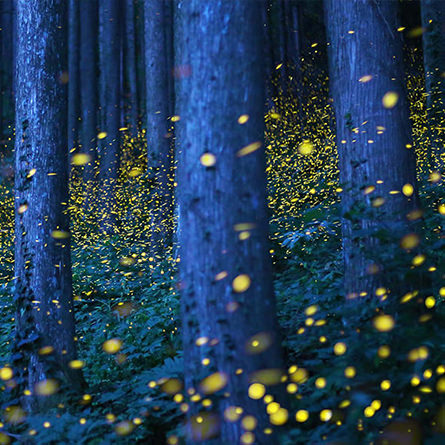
<point x="268" y="57"/>
<point x="291" y="30"/>
<point x="74" y="75"/>
<point x="88" y="83"/>
<point x="6" y="94"/>
<point x="110" y="66"/>
<point x="42" y="256"/>
<point x="14" y="45"/>
<point x="433" y="22"/>
<point x="227" y="295"/>
<point x="374" y="139"/>
<point x="130" y="68"/>
<point x="281" y="18"/>
<point x="140" y="60"/>
<point x="157" y="71"/>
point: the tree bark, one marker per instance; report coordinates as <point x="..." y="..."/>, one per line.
<point x="374" y="142"/>
<point x="73" y="75"/>
<point x="88" y="83"/>
<point x="7" y="70"/>
<point x="221" y="194"/>
<point x="42" y="253"/>
<point x="131" y="68"/>
<point x="158" y="67"/>
<point x="292" y="41"/>
<point x="433" y="22"/>
<point x="140" y="60"/>
<point x="110" y="67"/>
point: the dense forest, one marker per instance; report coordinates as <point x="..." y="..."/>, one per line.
<point x="222" y="222"/>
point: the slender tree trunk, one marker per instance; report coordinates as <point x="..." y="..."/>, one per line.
<point x="140" y="61"/>
<point x="278" y="34"/>
<point x="169" y="31"/>
<point x="281" y="18"/>
<point x="2" y="76"/>
<point x="374" y="142"/>
<point x="6" y="98"/>
<point x="14" y="45"/>
<point x="110" y="52"/>
<point x="291" y="30"/>
<point x="74" y="75"/>
<point x="131" y="68"/>
<point x="158" y="100"/>
<point x="42" y="256"/>
<point x="268" y="57"/>
<point x="433" y="22"/>
<point x="227" y="295"/>
<point x="88" y="83"/>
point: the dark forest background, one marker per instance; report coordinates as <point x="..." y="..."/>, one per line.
<point x="222" y="222"/>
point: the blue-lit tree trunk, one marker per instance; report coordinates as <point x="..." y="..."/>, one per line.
<point x="131" y="92"/>
<point x="374" y="142"/>
<point x="110" y="78"/>
<point x="284" y="33"/>
<point x="228" y="309"/>
<point x="88" y="84"/>
<point x="140" y="59"/>
<point x="7" y="70"/>
<point x="43" y="291"/>
<point x="433" y="22"/>
<point x="158" y="72"/>
<point x="73" y="75"/>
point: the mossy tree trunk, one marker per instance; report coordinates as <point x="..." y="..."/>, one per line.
<point x="228" y="309"/>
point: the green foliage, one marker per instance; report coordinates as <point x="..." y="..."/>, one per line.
<point x="116" y="297"/>
<point x="315" y="316"/>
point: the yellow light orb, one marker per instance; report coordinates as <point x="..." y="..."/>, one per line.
<point x="320" y="382"/>
<point x="256" y="391"/>
<point x="241" y="283"/>
<point x="279" y="417"/>
<point x="430" y="302"/>
<point x="440" y="385"/>
<point x="306" y="148"/>
<point x="385" y="385"/>
<point x="384" y="351"/>
<point x="350" y="372"/>
<point x="76" y="364"/>
<point x="249" y="423"/>
<point x="112" y="346"/>
<point x="340" y="348"/>
<point x="213" y="383"/>
<point x="80" y="159"/>
<point x="325" y="415"/>
<point x="384" y="323"/>
<point x="208" y="159"/>
<point x="6" y="373"/>
<point x="301" y="415"/>
<point x="407" y="189"/>
<point x="390" y="99"/>
<point x="243" y="119"/>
